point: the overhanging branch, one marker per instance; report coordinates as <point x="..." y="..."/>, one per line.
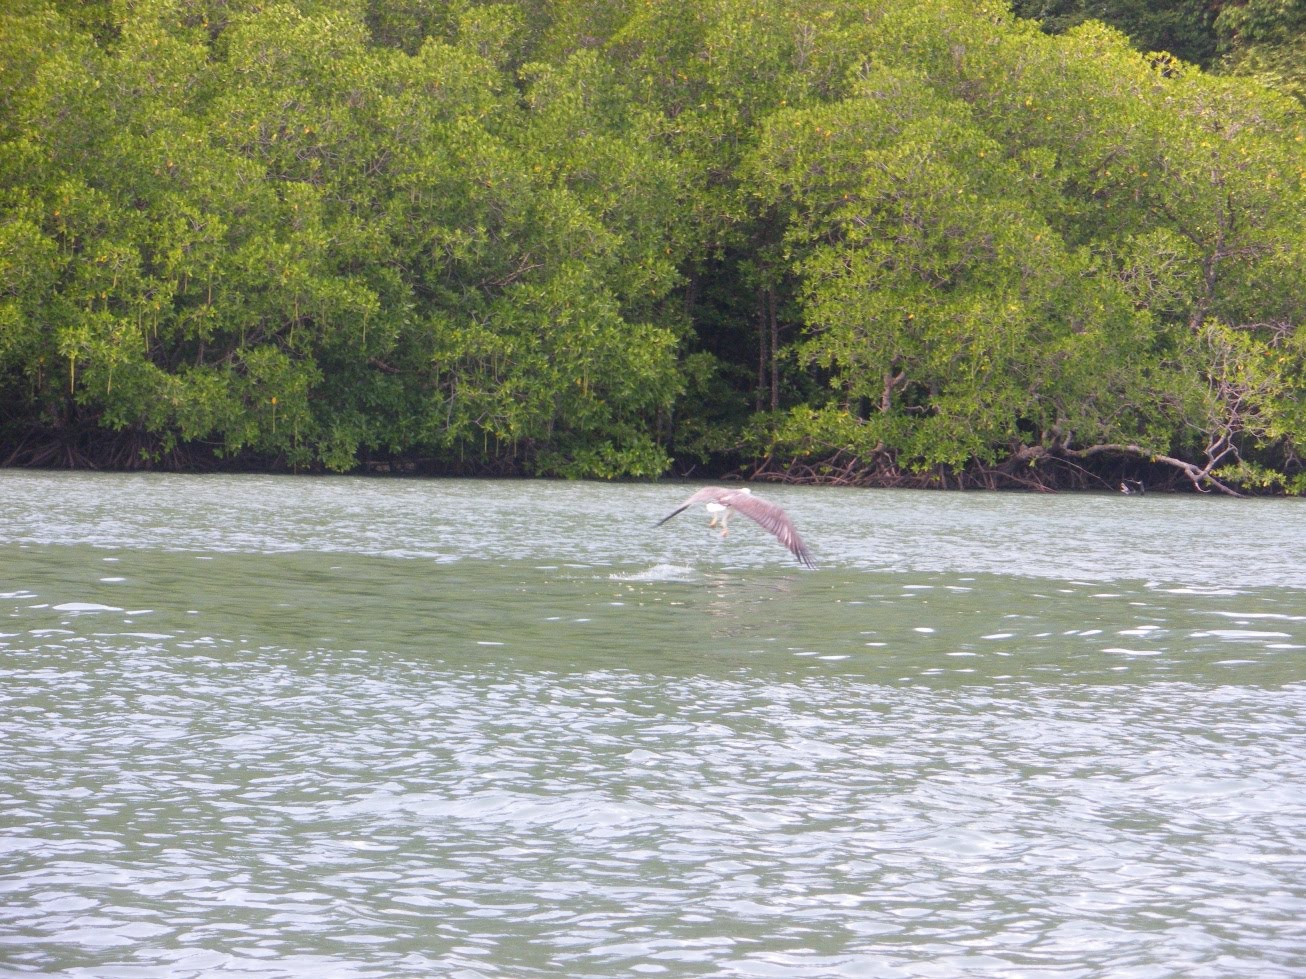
<point x="1200" y="476"/>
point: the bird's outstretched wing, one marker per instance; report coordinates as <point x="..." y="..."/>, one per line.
<point x="773" y="518"/>
<point x="702" y="496"/>
<point x="768" y="515"/>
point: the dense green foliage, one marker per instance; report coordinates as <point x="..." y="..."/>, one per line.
<point x="898" y="239"/>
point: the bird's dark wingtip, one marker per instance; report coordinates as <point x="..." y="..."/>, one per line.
<point x="671" y="514"/>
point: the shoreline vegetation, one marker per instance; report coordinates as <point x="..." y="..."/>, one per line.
<point x="918" y="243"/>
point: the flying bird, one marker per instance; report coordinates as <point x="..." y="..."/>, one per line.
<point x="720" y="502"/>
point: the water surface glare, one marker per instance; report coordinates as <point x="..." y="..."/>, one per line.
<point x="255" y="726"/>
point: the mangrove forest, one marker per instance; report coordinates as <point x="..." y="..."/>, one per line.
<point x="875" y="242"/>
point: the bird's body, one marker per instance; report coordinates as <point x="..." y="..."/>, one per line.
<point x="720" y="501"/>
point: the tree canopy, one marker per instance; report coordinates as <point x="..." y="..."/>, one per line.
<point x="908" y="241"/>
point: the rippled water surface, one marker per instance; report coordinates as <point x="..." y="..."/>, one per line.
<point x="258" y="726"/>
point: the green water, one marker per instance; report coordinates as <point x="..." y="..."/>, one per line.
<point x="278" y="727"/>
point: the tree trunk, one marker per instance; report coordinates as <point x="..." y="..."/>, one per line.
<point x="761" y="349"/>
<point x="775" y="349"/>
